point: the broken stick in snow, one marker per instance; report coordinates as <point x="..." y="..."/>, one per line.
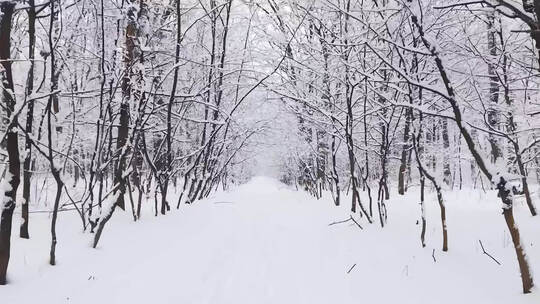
<point x="345" y="221"/>
<point x="486" y="253"/>
<point x="339" y="222"/>
<point x="356" y="223"/>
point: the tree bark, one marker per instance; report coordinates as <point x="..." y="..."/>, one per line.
<point x="493" y="115"/>
<point x="506" y="197"/>
<point x="404" y="151"/>
<point x="52" y="105"/>
<point x="27" y="175"/>
<point x="10" y="143"/>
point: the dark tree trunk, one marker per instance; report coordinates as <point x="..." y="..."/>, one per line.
<point x="123" y="129"/>
<point x="335" y="175"/>
<point x="443" y="218"/>
<point x="27" y="175"/>
<point x="447" y="174"/>
<point x="526" y="277"/>
<point x="124" y="141"/>
<point x="168" y="169"/>
<point x="59" y="186"/>
<point x="506" y="196"/>
<point x="493" y="115"/>
<point x="423" y="209"/>
<point x="404" y="152"/>
<point x="425" y="173"/>
<point x="53" y="105"/>
<point x="524" y="182"/>
<point x="11" y="143"/>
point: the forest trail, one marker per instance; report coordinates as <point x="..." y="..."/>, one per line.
<point x="260" y="243"/>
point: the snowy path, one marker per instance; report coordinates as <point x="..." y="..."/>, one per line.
<point x="263" y="243"/>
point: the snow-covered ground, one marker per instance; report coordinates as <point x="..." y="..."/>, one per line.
<point x="265" y="243"/>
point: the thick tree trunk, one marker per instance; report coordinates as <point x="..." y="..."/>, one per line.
<point x="526" y="278"/>
<point x="11" y="178"/>
<point x="124" y="141"/>
<point x="506" y="196"/>
<point x="127" y="86"/>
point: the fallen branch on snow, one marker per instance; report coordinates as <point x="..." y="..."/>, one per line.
<point x="356" y="223"/>
<point x="486" y="253"/>
<point x="345" y="221"/>
<point x="339" y="222"/>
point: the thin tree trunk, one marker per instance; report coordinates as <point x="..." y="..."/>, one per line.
<point x="422" y="208"/>
<point x="52" y="101"/>
<point x="27" y="166"/>
<point x="404" y="151"/>
<point x="447" y="174"/>
<point x="524" y="183"/>
<point x="164" y="204"/>
<point x="493" y="115"/>
<point x="424" y="173"/>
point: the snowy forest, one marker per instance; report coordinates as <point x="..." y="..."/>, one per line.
<point x="269" y="151"/>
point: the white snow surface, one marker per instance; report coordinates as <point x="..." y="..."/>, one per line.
<point x="265" y="243"/>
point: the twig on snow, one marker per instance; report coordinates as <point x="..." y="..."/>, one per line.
<point x="356" y="223"/>
<point x="345" y="221"/>
<point x="486" y="253"/>
<point x="339" y="222"/>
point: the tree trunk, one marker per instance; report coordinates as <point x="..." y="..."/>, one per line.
<point x="422" y="209"/>
<point x="123" y="129"/>
<point x="447" y="174"/>
<point x="506" y="197"/>
<point x="164" y="203"/>
<point x="425" y="173"/>
<point x="493" y="112"/>
<point x="27" y="175"/>
<point x="11" y="143"/>
<point x="404" y="152"/>
<point x="52" y="105"/>
<point x="443" y="218"/>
